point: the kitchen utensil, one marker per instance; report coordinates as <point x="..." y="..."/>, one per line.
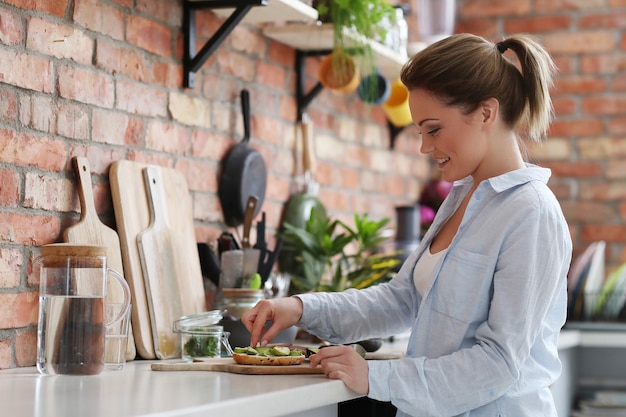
<point x="209" y="263"/>
<point x="229" y="365"/>
<point x="301" y="204"/>
<point x="250" y="255"/>
<point x="159" y="270"/>
<point x="89" y="230"/>
<point x="132" y="214"/>
<point x="243" y="174"/>
<point x="72" y="306"/>
<point x="227" y="242"/>
<point x="231" y="269"/>
<point x="267" y="263"/>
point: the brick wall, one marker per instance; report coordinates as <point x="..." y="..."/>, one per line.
<point x="102" y="79"/>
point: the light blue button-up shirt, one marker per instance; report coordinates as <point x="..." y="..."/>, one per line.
<point x="484" y="335"/>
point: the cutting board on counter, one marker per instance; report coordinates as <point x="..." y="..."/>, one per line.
<point x="132" y="213"/>
<point x="229" y="365"/>
<point x="89" y="230"/>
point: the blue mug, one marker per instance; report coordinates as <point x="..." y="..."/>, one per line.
<point x="374" y="89"/>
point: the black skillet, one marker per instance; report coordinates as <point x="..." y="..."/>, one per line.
<point x="243" y="174"/>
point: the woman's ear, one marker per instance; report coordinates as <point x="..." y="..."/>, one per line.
<point x="489" y="111"/>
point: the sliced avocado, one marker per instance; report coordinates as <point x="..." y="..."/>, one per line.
<point x="240" y="349"/>
<point x="295" y="352"/>
<point x="251" y="351"/>
<point x="280" y="351"/>
<point x="264" y="350"/>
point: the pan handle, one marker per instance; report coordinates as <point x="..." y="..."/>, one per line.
<point x="245" y="110"/>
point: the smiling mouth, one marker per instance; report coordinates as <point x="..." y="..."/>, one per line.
<point x="441" y="161"/>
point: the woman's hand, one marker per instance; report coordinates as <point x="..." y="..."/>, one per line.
<point x="282" y="312"/>
<point x="345" y="364"/>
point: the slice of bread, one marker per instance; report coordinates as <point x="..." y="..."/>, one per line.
<point x="245" y="359"/>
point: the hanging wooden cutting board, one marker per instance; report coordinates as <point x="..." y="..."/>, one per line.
<point x="89" y="230"/>
<point x="132" y="214"/>
<point x="229" y="365"/>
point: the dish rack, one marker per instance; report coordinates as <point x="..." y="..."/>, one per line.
<point x="598" y="307"/>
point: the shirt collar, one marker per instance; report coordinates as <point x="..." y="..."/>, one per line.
<point x="513" y="178"/>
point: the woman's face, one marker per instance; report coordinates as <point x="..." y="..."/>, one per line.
<point x="456" y="141"/>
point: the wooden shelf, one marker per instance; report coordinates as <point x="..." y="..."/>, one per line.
<point x="313" y="37"/>
<point x="276" y="11"/>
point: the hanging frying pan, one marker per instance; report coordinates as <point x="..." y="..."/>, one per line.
<point x="243" y="174"/>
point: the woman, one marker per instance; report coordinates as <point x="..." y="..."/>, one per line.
<point x="485" y="292"/>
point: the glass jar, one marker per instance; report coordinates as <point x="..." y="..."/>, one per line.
<point x="236" y="301"/>
<point x="200" y="337"/>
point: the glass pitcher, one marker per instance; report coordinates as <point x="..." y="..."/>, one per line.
<point x="72" y="305"/>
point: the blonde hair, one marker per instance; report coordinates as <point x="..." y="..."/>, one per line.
<point x="463" y="70"/>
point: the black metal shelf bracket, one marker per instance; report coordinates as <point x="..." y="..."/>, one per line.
<point x="303" y="99"/>
<point x="192" y="61"/>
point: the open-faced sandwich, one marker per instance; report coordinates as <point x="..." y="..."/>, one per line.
<point x="268" y="355"/>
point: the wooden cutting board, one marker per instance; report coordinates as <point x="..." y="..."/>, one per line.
<point x="132" y="214"/>
<point x="156" y="248"/>
<point x="89" y="230"/>
<point x="229" y="365"/>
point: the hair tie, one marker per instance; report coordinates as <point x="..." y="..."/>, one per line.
<point x="501" y="47"/>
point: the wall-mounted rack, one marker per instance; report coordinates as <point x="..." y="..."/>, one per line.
<point x="308" y="39"/>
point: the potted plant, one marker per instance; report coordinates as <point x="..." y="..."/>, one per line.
<point x="354" y="23"/>
<point x="333" y="256"/>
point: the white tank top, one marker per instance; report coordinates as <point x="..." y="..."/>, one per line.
<point x="423" y="272"/>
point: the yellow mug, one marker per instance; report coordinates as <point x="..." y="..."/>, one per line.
<point x="397" y="106"/>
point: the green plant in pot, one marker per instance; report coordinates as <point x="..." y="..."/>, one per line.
<point x="354" y="23"/>
<point x="333" y="256"/>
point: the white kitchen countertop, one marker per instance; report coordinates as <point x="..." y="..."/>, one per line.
<point x="139" y="391"/>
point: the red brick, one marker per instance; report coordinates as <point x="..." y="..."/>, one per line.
<point x="99" y="17"/>
<point x="486" y="27"/>
<point x="28" y="229"/>
<point x="149" y="35"/>
<point x="616" y="19"/>
<point x="271" y="76"/>
<point x="26" y="348"/>
<point x="200" y="175"/>
<point x="616" y="169"/>
<point x="619" y="83"/>
<point x="27" y="71"/>
<point x="535" y="24"/>
<point x="209" y="145"/>
<point x="167" y="137"/>
<point x="605" y="104"/>
<point x="10" y="188"/>
<point x="18" y="310"/>
<point x="281" y="54"/>
<point x="8" y="106"/>
<point x="61" y="41"/>
<point x="578" y="127"/>
<point x="123" y="3"/>
<point x="581" y="42"/>
<point x="278" y="188"/>
<point x="26" y="150"/>
<point x="617" y="125"/>
<point x="6" y="356"/>
<point x="607" y="232"/>
<point x="11" y="28"/>
<point x="206" y="208"/>
<point x="167" y="74"/>
<point x="580" y="84"/>
<point x="247" y="41"/>
<point x="72" y="121"/>
<point x="604" y="191"/>
<point x="11" y="262"/>
<point x="235" y="64"/>
<point x="116" y="59"/>
<point x="49" y="193"/>
<point x="116" y="128"/>
<point x="576" y="169"/>
<point x="542" y="6"/>
<point x="601" y="148"/>
<point x="72" y="82"/>
<point x="161" y="10"/>
<point x="603" y="64"/>
<point x="141" y="99"/>
<point x="564" y="105"/>
<point x="54" y="7"/>
<point x="480" y="8"/>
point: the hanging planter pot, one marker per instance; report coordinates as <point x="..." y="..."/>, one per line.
<point x="339" y="73"/>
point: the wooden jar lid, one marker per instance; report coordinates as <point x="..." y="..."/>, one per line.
<point x="56" y="254"/>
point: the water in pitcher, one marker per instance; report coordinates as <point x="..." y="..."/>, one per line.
<point x="72" y="339"/>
